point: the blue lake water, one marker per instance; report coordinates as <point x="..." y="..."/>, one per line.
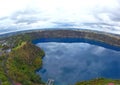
<point x="70" y="60"/>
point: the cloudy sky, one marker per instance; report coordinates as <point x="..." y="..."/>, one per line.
<point x="103" y="15"/>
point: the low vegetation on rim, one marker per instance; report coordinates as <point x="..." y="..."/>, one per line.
<point x="18" y="66"/>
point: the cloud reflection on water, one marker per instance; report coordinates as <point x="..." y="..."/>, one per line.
<point x="70" y="62"/>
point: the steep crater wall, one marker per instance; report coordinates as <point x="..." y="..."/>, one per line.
<point x="92" y="35"/>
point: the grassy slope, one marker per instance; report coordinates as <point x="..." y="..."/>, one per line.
<point x="100" y="81"/>
<point x="23" y="61"/>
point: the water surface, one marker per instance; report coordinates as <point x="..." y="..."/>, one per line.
<point x="70" y="60"/>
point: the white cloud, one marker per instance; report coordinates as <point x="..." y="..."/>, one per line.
<point x="100" y="15"/>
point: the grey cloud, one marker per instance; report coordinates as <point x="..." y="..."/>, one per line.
<point x="27" y="16"/>
<point x="100" y="25"/>
<point x="28" y="20"/>
<point x="3" y="18"/>
<point x="112" y="14"/>
<point x="115" y="16"/>
<point x="23" y="12"/>
<point x="64" y="24"/>
<point x="7" y="29"/>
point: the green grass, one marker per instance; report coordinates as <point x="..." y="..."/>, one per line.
<point x="99" y="81"/>
<point x="20" y="45"/>
<point x="0" y="46"/>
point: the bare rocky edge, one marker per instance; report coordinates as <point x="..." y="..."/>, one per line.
<point x="19" y="58"/>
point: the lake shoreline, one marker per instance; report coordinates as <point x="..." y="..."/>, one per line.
<point x="15" y="39"/>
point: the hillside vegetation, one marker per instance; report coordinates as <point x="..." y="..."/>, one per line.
<point x="22" y="62"/>
<point x="3" y="77"/>
<point x="19" y="65"/>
